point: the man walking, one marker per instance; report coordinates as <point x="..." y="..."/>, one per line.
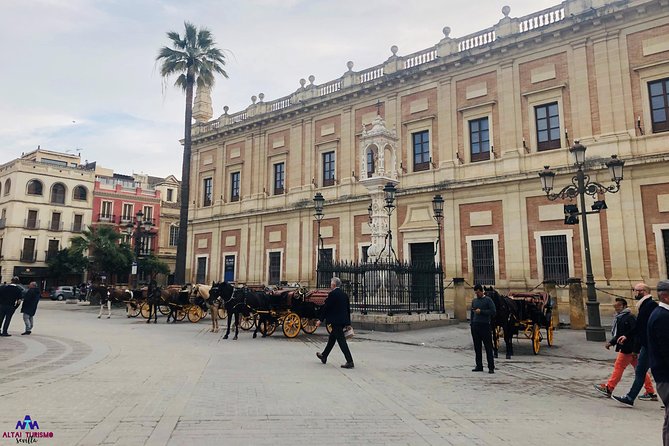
<point x="622" y="338"/>
<point x="658" y="350"/>
<point x="10" y="296"/>
<point x="645" y="307"/>
<point x="483" y="309"/>
<point x="29" y="307"/>
<point x="337" y="313"/>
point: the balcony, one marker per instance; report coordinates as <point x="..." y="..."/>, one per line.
<point x="55" y="226"/>
<point x="29" y="223"/>
<point x="48" y="255"/>
<point x="77" y="227"/>
<point x="28" y="256"/>
<point x="106" y="218"/>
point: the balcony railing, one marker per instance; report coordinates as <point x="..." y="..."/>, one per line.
<point x="55" y="226"/>
<point x="106" y="218"/>
<point x="29" y="223"/>
<point x="77" y="227"/>
<point x="28" y="256"/>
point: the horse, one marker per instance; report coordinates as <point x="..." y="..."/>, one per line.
<point x="201" y="295"/>
<point x="224" y="293"/>
<point x="153" y="299"/>
<point x="175" y="296"/>
<point x="107" y="295"/>
<point x="505" y="318"/>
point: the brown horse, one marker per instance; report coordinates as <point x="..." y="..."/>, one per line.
<point x="107" y="295"/>
<point x="200" y="295"/>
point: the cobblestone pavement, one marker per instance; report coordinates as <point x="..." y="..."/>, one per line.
<point x="121" y="381"/>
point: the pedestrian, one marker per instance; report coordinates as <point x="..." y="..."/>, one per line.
<point x="483" y="310"/>
<point x="10" y="298"/>
<point x="658" y="350"/>
<point x="622" y="338"/>
<point x="337" y="313"/>
<point x="29" y="307"/>
<point x="645" y="306"/>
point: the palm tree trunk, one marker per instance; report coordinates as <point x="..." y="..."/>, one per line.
<point x="182" y="241"/>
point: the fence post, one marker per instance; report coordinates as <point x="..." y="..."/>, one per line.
<point x="550" y="289"/>
<point x="459" y="303"/>
<point x="576" y="309"/>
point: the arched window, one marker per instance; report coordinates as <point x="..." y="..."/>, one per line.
<point x="8" y="186"/>
<point x="34" y="187"/>
<point x="58" y="193"/>
<point x="80" y="193"/>
<point x="370" y="163"/>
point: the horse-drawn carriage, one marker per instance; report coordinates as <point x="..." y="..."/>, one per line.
<point x="522" y="313"/>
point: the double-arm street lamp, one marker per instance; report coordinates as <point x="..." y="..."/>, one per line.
<point x="138" y="231"/>
<point x="319" y="201"/>
<point x="438" y="215"/>
<point x="581" y="185"/>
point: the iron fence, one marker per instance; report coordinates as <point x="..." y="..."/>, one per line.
<point x="387" y="287"/>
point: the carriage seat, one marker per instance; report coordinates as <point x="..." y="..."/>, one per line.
<point x="317" y="296"/>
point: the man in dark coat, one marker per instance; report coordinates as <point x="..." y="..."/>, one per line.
<point x="483" y="310"/>
<point x="645" y="307"/>
<point x="29" y="307"/>
<point x="337" y="313"/>
<point x="658" y="350"/>
<point x="10" y="296"/>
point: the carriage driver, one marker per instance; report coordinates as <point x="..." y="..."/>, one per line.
<point x="483" y="309"/>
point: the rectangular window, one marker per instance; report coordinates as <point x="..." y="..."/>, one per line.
<point x="174" y="235"/>
<point x="479" y="139"/>
<point x="274" y="268"/>
<point x="145" y="246"/>
<point x="234" y="186"/>
<point x="483" y="262"/>
<point x="421" y="150"/>
<point x="148" y="213"/>
<point x="229" y="272"/>
<point x="52" y="249"/>
<point x="659" y="104"/>
<point x="201" y="271"/>
<point x="554" y="258"/>
<point x="548" y="126"/>
<point x="128" y="212"/>
<point x="28" y="251"/>
<point x="326" y="255"/>
<point x="365" y="254"/>
<point x="170" y="194"/>
<point x="328" y="169"/>
<point x="105" y="211"/>
<point x="31" y="221"/>
<point x="279" y="172"/>
<point x="207" y="192"/>
<point x="77" y="225"/>
<point x="55" y="224"/>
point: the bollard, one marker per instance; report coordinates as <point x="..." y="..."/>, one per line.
<point x="459" y="304"/>
<point x="576" y="308"/>
<point x="550" y="289"/>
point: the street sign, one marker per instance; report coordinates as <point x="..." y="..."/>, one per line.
<point x="134" y="268"/>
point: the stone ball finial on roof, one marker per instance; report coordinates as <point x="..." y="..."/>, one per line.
<point x="254" y="99"/>
<point x="506" y="10"/>
<point x="312" y="78"/>
<point x="302" y="82"/>
<point x="394" y="49"/>
<point x="446" y="31"/>
<point x="261" y="96"/>
<point x="349" y="65"/>
<point x="225" y="109"/>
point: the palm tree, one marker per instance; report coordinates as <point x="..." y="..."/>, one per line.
<point x="195" y="60"/>
<point x="106" y="253"/>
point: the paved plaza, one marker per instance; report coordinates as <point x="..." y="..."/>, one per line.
<point x="121" y="381"/>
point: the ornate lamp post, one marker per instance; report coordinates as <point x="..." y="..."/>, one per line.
<point x="389" y="192"/>
<point x="137" y="231"/>
<point x="319" y="200"/>
<point x="438" y="215"/>
<point x="580" y="186"/>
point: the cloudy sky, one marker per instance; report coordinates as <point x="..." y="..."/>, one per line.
<point x="80" y="75"/>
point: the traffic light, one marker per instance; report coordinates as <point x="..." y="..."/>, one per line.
<point x="570" y="214"/>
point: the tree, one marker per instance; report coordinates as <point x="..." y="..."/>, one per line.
<point x="194" y="59"/>
<point x="153" y="266"/>
<point x="106" y="254"/>
<point x="66" y="262"/>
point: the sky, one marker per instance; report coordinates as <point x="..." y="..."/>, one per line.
<point x="80" y="76"/>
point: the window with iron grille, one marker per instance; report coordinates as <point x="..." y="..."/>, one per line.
<point x="555" y="259"/>
<point x="279" y="173"/>
<point x="328" y="169"/>
<point x="548" y="126"/>
<point x="234" y="186"/>
<point x="483" y="262"/>
<point x="174" y="235"/>
<point x="659" y="104"/>
<point x="326" y="255"/>
<point x="421" y="150"/>
<point x="78" y="223"/>
<point x="201" y="271"/>
<point x="274" y="268"/>
<point x="479" y="139"/>
<point x="665" y="237"/>
<point x="365" y="254"/>
<point x="207" y="191"/>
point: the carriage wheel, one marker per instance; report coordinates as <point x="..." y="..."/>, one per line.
<point x="247" y="322"/>
<point x="164" y="309"/>
<point x="267" y="328"/>
<point x="195" y="313"/>
<point x="133" y="309"/>
<point x="308" y="325"/>
<point x="536" y="339"/>
<point x="222" y="314"/>
<point x="549" y="333"/>
<point x="291" y="325"/>
<point x="181" y="314"/>
<point x="328" y="327"/>
<point x="145" y="308"/>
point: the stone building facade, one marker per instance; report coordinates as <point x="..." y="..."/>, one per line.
<point x="476" y="118"/>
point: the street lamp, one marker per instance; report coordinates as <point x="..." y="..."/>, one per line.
<point x="580" y="186"/>
<point x="319" y="200"/>
<point x="389" y="192"/>
<point x="438" y="211"/>
<point x="138" y="231"/>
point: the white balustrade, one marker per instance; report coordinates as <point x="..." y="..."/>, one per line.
<point x="420" y="57"/>
<point x="371" y="73"/>
<point x="330" y="87"/>
<point x="539" y="19"/>
<point x="476" y="40"/>
<point x="279" y="104"/>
